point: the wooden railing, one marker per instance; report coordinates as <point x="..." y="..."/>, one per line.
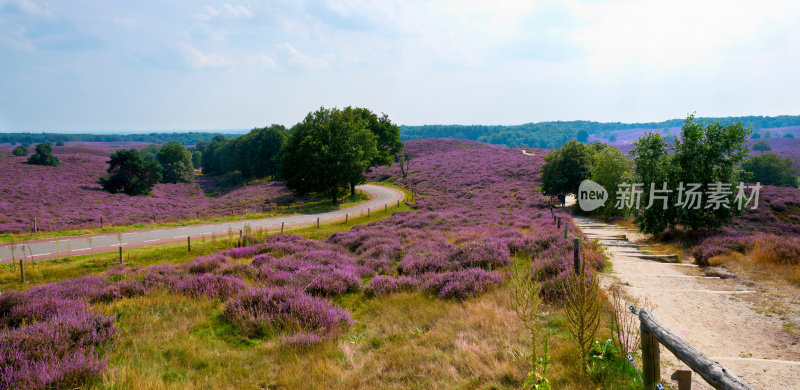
<point x="655" y="333"/>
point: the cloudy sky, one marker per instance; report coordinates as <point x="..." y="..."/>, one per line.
<point x="195" y="64"/>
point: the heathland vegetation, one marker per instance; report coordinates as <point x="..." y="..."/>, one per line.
<point x="415" y="299"/>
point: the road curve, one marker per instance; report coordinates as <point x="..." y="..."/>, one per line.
<point x="46" y="249"/>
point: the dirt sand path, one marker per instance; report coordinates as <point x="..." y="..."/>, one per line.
<point x="716" y="316"/>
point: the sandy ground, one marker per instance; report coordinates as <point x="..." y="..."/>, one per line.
<point x="726" y="319"/>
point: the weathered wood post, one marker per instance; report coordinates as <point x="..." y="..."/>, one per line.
<point x="367" y="211"/>
<point x="651" y="358"/>
<point x="101" y="222"/>
<point x="559" y="223"/>
<point x="398" y="203"/>
<point x="35" y="226"/>
<point x="241" y="238"/>
<point x="385" y="207"/>
<point x="317" y="222"/>
<point x="684" y="379"/>
<point x="188" y="244"/>
<point x="576" y="261"/>
<point x="120" y="254"/>
<point x="566" y="229"/>
<point x="281" y="227"/>
<point x="345" y="218"/>
<point x="21" y="270"/>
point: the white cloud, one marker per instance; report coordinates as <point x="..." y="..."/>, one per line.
<point x="197" y="59"/>
<point x="263" y="61"/>
<point x="237" y="11"/>
<point x="126" y="22"/>
<point x="302" y="60"/>
<point x="228" y="10"/>
<point x="17" y="40"/>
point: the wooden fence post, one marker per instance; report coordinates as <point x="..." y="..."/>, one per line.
<point x="35" y="226"/>
<point x="101" y="222"/>
<point x="21" y="270"/>
<point x="651" y="358"/>
<point x="385" y="207"/>
<point x="559" y="223"/>
<point x="120" y="254"/>
<point x="367" y="211"/>
<point x="317" y="222"/>
<point x="345" y="218"/>
<point x="188" y="244"/>
<point x="566" y="229"/>
<point x="281" y="227"/>
<point x="576" y="262"/>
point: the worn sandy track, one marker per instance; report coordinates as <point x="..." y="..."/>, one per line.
<point x="716" y="316"/>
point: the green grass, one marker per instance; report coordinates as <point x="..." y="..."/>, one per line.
<point x="48" y="271"/>
<point x="316" y="205"/>
<point x="405" y="340"/>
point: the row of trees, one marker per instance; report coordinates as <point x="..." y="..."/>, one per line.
<point x="704" y="153"/>
<point x="254" y="155"/>
<point x="135" y="173"/>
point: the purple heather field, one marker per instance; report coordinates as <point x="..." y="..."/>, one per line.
<point x="69" y="196"/>
<point x="477" y="206"/>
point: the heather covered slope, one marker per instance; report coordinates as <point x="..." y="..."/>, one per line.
<point x="414" y="299"/>
<point x="69" y="196"/>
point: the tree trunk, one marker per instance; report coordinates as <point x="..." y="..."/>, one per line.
<point x="353" y="189"/>
<point x="334" y="190"/>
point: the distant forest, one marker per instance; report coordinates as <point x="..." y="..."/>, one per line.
<point x="155" y="138"/>
<point x="548" y="135"/>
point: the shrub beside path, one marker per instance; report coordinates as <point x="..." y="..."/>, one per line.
<point x="720" y="317"/>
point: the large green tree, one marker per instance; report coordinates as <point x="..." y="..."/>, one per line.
<point x="704" y="154"/>
<point x="771" y="169"/>
<point x="326" y="152"/>
<point x="387" y="137"/>
<point x="44" y="155"/>
<point x="762" y="146"/>
<point x="176" y="163"/>
<point x="566" y="167"/>
<point x="610" y="169"/>
<point x="129" y="173"/>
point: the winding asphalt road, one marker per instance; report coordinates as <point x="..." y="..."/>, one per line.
<point x="380" y="197"/>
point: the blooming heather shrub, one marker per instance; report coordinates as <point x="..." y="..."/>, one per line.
<point x="384" y="285"/>
<point x="206" y="264"/>
<point x="262" y="259"/>
<point x="777" y="250"/>
<point x="719" y="245"/>
<point x="265" y="311"/>
<point x="74" y="199"/>
<point x="62" y="345"/>
<point x="483" y="254"/>
<point x="211" y="285"/>
<point x="88" y="288"/>
<point x="426" y="257"/>
<point x="462" y="284"/>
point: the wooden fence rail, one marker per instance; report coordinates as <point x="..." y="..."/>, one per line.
<point x="654" y="332"/>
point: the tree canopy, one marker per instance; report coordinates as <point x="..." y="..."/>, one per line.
<point x="176" y="163"/>
<point x="762" y="146"/>
<point x="20" y="151"/>
<point x="704" y="154"/>
<point x="771" y="169"/>
<point x="331" y="149"/>
<point x="44" y="155"/>
<point x="255" y="155"/>
<point x="566" y="167"/>
<point x="131" y="174"/>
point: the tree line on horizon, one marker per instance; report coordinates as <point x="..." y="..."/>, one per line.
<point x="327" y="152"/>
